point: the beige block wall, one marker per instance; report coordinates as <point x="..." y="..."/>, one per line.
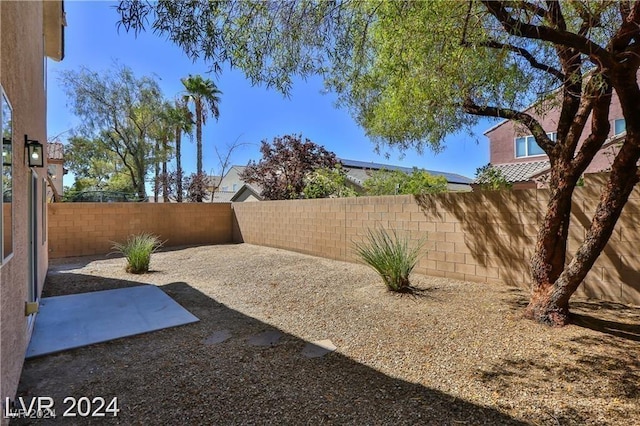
<point x="22" y="77"/>
<point x="481" y="236"/>
<point x="78" y="229"/>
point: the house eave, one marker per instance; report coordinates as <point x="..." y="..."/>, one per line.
<point x="53" y="23"/>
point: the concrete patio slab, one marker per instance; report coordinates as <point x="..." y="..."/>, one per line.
<point x="73" y="321"/>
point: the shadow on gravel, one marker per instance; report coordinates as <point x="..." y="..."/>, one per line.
<point x="618" y="369"/>
<point x="611" y="318"/>
<point x="614" y="328"/>
<point x="177" y="376"/>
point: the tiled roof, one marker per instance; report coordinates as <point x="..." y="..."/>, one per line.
<point x="363" y="165"/>
<point x="522" y="172"/>
<point x="55" y="151"/>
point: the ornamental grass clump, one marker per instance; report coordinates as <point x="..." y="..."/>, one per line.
<point x="391" y="256"/>
<point x="137" y="250"/>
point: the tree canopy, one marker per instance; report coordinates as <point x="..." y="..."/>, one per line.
<point x="328" y="182"/>
<point x="120" y="112"/>
<point x="396" y="182"/>
<point x="205" y="96"/>
<point x="413" y="72"/>
<point x="490" y="178"/>
<point x="285" y="164"/>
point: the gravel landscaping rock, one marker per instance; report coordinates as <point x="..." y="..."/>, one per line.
<point x="454" y="353"/>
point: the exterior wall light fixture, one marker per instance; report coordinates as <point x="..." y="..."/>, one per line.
<point x="35" y="152"/>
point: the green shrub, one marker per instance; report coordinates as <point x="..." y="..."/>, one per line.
<point x="391" y="256"/>
<point x="490" y="178"/>
<point x="137" y="250"/>
<point x="396" y="182"/>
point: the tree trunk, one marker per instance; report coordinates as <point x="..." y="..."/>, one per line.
<point x="165" y="177"/>
<point x="156" y="178"/>
<point x="549" y="256"/>
<point x="199" y="144"/>
<point x="198" y="138"/>
<point x="549" y="302"/>
<point x="178" y="165"/>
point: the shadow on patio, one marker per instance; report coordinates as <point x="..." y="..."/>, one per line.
<point x="173" y="377"/>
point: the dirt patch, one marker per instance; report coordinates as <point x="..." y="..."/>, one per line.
<point x="455" y="353"/>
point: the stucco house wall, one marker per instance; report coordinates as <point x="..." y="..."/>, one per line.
<point x="231" y="181"/>
<point x="22" y="77"/>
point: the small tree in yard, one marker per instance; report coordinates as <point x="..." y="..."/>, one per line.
<point x="491" y="179"/>
<point x="328" y="183"/>
<point x="414" y="72"/>
<point x="396" y="182"/>
<point x="196" y="187"/>
<point x="284" y="165"/>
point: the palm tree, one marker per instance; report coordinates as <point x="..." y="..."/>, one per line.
<point x="205" y="96"/>
<point x="182" y="121"/>
<point x="161" y="134"/>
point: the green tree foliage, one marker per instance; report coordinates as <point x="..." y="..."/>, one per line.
<point x="395" y="182"/>
<point x="206" y="98"/>
<point x="120" y="111"/>
<point x="181" y="119"/>
<point x="413" y="72"/>
<point x="162" y="133"/>
<point x="284" y="165"/>
<point x="489" y="178"/>
<point x="327" y="182"/>
<point x="92" y="162"/>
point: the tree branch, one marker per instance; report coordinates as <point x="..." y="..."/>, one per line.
<point x="568" y="39"/>
<point x="599" y="106"/>
<point x="628" y="31"/>
<point x="522" y="52"/>
<point x="527" y="120"/>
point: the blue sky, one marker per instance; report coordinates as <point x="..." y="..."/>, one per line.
<point x="248" y="113"/>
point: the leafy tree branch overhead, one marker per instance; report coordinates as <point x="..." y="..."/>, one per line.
<point x="413" y="72"/>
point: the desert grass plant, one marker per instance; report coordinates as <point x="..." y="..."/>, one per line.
<point x="391" y="255"/>
<point x="137" y="250"/>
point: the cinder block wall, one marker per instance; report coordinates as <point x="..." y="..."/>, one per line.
<point x="482" y="236"/>
<point x="78" y="229"/>
<point x="479" y="236"/>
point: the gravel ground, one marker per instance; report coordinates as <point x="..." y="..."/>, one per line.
<point x="456" y="353"/>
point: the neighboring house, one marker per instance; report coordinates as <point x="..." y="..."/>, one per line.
<point x="29" y="32"/>
<point x="233" y="188"/>
<point x="212" y="182"/>
<point x="55" y="170"/>
<point x="227" y="186"/>
<point x="359" y="171"/>
<point x="247" y="193"/>
<point x="231" y="181"/>
<point x="514" y="151"/>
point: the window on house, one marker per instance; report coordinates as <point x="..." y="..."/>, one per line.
<point x="526" y="146"/>
<point x="6" y="220"/>
<point x="619" y="126"/>
<point x="235" y="187"/>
